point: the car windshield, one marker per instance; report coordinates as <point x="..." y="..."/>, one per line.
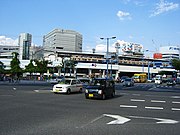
<point x="98" y="82"/>
<point x="65" y="82"/>
<point x="136" y="77"/>
<point x="128" y="79"/>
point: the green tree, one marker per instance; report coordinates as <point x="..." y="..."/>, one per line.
<point x="2" y="67"/>
<point x="69" y="64"/>
<point x="30" y="68"/>
<point x="42" y="66"/>
<point x="176" y="64"/>
<point x="16" y="70"/>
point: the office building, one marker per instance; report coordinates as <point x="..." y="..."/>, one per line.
<point x="24" y="43"/>
<point x="7" y="50"/>
<point x="63" y="40"/>
<point x="170" y="52"/>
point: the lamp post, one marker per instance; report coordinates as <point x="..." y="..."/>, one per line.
<point x="107" y="38"/>
<point x="143" y="61"/>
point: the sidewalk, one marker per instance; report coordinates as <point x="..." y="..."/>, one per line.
<point x="24" y="82"/>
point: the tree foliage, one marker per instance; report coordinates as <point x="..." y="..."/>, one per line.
<point x="15" y="65"/>
<point x="41" y="66"/>
<point x="1" y="67"/>
<point x="30" y="68"/>
<point x="176" y="64"/>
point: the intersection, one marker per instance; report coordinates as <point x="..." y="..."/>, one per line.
<point x="35" y="110"/>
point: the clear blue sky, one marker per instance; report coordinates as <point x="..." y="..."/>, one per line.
<point x="139" y="21"/>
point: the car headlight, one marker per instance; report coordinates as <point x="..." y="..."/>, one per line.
<point x="63" y="88"/>
<point x="99" y="91"/>
<point x="86" y="91"/>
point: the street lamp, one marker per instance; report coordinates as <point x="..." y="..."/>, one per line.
<point x="107" y="38"/>
<point x="143" y="60"/>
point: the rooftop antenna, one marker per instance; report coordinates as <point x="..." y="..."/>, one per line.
<point x="154" y="45"/>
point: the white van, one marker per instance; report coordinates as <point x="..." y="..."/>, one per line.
<point x="158" y="79"/>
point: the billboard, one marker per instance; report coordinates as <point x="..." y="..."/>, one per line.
<point x="169" y="50"/>
<point x="127" y="47"/>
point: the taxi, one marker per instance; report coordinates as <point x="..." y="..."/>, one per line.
<point x="68" y="85"/>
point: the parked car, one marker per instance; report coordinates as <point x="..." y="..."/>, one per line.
<point x="171" y="82"/>
<point x="68" y="85"/>
<point x="100" y="88"/>
<point x="128" y="82"/>
<point x="123" y="78"/>
<point x="55" y="79"/>
<point x="85" y="82"/>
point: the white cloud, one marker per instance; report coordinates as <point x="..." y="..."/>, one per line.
<point x="103" y="48"/>
<point x="8" y="41"/>
<point x="164" y="6"/>
<point x="123" y="15"/>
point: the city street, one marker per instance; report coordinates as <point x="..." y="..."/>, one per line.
<point x="141" y="109"/>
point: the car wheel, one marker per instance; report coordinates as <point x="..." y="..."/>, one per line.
<point x="68" y="91"/>
<point x="113" y="94"/>
<point x="103" y="96"/>
<point x="87" y="97"/>
<point x="80" y="90"/>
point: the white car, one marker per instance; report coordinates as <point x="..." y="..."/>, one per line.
<point x="68" y="85"/>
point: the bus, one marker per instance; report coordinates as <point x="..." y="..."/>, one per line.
<point x="140" y="78"/>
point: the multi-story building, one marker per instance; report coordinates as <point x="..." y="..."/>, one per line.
<point x="170" y="52"/>
<point x="24" y="43"/>
<point x="63" y="40"/>
<point x="7" y="50"/>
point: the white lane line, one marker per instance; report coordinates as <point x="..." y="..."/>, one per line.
<point x="124" y="93"/>
<point x="136" y="94"/>
<point x="175" y="96"/>
<point x="158" y="101"/>
<point x="175" y="109"/>
<point x="174" y="102"/>
<point x="137" y="100"/>
<point x="128" y="106"/>
<point x="155" y="108"/>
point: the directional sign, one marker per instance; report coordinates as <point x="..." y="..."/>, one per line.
<point x="122" y="120"/>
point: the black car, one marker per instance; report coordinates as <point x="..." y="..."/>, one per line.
<point x="100" y="88"/>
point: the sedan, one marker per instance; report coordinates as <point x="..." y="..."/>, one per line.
<point x="67" y="86"/>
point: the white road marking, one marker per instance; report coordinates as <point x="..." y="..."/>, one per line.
<point x="136" y="94"/>
<point x="137" y="100"/>
<point x="174" y="102"/>
<point x="159" y="120"/>
<point x="128" y="106"/>
<point x="119" y="119"/>
<point x="42" y="91"/>
<point x="158" y="101"/>
<point x="125" y="93"/>
<point x="175" y="96"/>
<point x="155" y="108"/>
<point x="175" y="109"/>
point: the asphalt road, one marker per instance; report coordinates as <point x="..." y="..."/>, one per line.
<point x="138" y="110"/>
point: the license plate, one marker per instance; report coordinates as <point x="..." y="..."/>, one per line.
<point x="57" y="90"/>
<point x="90" y="95"/>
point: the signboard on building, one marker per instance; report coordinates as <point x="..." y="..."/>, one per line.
<point x="127" y="47"/>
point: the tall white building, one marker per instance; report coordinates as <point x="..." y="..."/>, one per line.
<point x="24" y="43"/>
<point x="170" y="52"/>
<point x="63" y="40"/>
